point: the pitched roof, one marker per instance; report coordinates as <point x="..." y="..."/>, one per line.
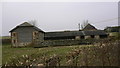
<point x="113" y="29"/>
<point x="26" y="24"/>
<point x="74" y="33"/>
<point x="89" y="27"/>
<point x="38" y="29"/>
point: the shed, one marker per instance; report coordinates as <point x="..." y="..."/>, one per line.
<point x="74" y="34"/>
<point x="25" y="34"/>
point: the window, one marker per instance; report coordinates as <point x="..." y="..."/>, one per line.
<point x="82" y="37"/>
<point x="92" y="36"/>
<point x="35" y="35"/>
<point x="14" y="41"/>
<point x="103" y="36"/>
<point x="14" y="34"/>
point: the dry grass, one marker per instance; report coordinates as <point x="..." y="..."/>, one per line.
<point x="104" y="53"/>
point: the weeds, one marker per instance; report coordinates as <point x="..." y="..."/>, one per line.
<point x="104" y="53"/>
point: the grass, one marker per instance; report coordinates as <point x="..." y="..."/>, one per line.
<point x="9" y="52"/>
<point x="100" y="54"/>
<point x="0" y="55"/>
<point x="116" y="34"/>
<point x="4" y="37"/>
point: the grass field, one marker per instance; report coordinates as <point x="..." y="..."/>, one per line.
<point x="104" y="54"/>
<point x="0" y="55"/>
<point x="4" y="37"/>
<point x="9" y="52"/>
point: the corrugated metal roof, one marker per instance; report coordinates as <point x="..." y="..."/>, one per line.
<point x="75" y="33"/>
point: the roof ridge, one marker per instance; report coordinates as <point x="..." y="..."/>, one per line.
<point x="89" y="27"/>
<point x="25" y="24"/>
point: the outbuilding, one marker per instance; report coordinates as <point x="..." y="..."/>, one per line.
<point x="25" y="34"/>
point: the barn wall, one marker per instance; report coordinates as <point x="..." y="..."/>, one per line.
<point x="97" y="36"/>
<point x="41" y="36"/>
<point x="77" y="37"/>
<point x="25" y="35"/>
<point x="87" y="37"/>
<point x="59" y="38"/>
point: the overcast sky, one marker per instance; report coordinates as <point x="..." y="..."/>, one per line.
<point x="59" y="16"/>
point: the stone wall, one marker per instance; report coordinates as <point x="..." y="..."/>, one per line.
<point x="97" y="37"/>
<point x="6" y="41"/>
<point x="64" y="42"/>
<point x="87" y="37"/>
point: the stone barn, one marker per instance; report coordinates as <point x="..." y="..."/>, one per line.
<point x="75" y="35"/>
<point x="89" y="27"/>
<point x="25" y="34"/>
<point x="89" y="31"/>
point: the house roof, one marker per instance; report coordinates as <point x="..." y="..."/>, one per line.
<point x="113" y="29"/>
<point x="26" y="24"/>
<point x="75" y="33"/>
<point x="38" y="29"/>
<point x="89" y="27"/>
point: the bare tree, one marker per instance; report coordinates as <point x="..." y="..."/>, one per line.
<point x="85" y="23"/>
<point x="79" y="26"/>
<point x="33" y="22"/>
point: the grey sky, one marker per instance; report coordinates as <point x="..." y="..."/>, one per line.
<point x="59" y="16"/>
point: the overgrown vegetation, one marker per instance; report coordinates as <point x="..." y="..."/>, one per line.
<point x="104" y="53"/>
<point x="5" y="40"/>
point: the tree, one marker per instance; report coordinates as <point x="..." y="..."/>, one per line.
<point x="79" y="26"/>
<point x="33" y="22"/>
<point x="84" y="24"/>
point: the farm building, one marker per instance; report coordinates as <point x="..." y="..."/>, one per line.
<point x="113" y="31"/>
<point x="89" y="27"/>
<point x="75" y="35"/>
<point x="89" y="31"/>
<point x="26" y="33"/>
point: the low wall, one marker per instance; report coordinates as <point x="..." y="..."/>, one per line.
<point x="6" y="41"/>
<point x="63" y="42"/>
